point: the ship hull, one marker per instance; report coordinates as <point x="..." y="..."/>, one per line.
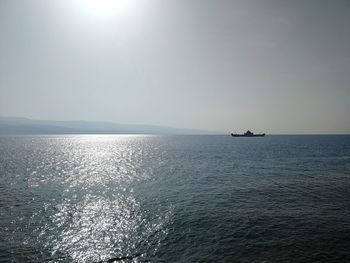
<point x="243" y="135"/>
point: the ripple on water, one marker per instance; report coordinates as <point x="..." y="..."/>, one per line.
<point x="83" y="208"/>
<point x="174" y="199"/>
<point x="99" y="228"/>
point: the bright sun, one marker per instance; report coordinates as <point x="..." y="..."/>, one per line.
<point x="104" y="8"/>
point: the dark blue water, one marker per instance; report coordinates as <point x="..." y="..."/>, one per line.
<point x="174" y="199"/>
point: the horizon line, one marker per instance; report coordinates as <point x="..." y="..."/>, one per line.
<point x="200" y="131"/>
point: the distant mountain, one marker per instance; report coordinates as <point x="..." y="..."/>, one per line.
<point x="28" y="126"/>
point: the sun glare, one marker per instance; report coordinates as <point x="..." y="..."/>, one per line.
<point x="104" y="9"/>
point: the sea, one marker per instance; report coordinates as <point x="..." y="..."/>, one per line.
<point x="184" y="198"/>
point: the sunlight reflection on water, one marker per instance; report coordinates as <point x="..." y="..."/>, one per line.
<point x="96" y="227"/>
<point x="94" y="215"/>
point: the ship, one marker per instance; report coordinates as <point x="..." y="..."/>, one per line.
<point x="248" y="134"/>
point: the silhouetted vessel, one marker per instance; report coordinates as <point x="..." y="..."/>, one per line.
<point x="248" y="134"/>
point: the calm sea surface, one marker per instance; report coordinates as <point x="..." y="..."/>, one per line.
<point x="86" y="198"/>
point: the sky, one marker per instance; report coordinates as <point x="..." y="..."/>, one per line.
<point x="221" y="65"/>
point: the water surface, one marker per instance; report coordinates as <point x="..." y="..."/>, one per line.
<point x="133" y="198"/>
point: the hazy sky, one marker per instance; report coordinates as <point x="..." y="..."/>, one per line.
<point x="270" y="66"/>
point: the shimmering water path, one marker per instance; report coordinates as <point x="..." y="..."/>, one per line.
<point x="174" y="198"/>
